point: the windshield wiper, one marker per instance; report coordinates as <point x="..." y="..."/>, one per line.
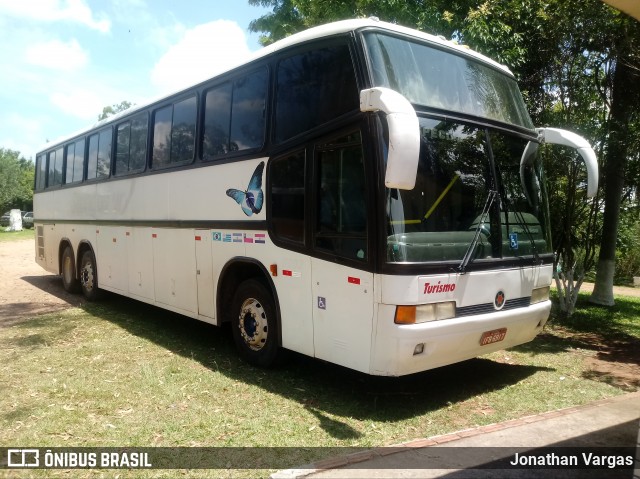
<point x="470" y="250"/>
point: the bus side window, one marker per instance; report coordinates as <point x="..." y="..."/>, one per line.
<point x="341" y="218"/>
<point x="174" y="133"/>
<point x="75" y="162"/>
<point x="55" y="167"/>
<point x="41" y="172"/>
<point x="313" y="88"/>
<point x="131" y="145"/>
<point x="287" y="178"/>
<point x="99" y="159"/>
<point x="217" y="121"/>
<point x="234" y="115"/>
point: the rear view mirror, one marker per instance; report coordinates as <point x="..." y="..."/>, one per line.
<point x="404" y="135"/>
<point x="556" y="136"/>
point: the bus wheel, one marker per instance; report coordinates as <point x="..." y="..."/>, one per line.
<point x="69" y="280"/>
<point x="89" y="276"/>
<point x="254" y="324"/>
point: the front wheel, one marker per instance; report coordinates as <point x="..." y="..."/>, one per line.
<point x="89" y="276"/>
<point x="254" y="324"/>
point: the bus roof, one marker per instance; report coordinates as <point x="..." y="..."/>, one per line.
<point x="314" y="33"/>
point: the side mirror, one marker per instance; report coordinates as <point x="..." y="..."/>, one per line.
<point x="404" y="135"/>
<point x="556" y="136"/>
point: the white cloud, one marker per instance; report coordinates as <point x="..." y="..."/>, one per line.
<point x="56" y="10"/>
<point x="202" y="52"/>
<point x="83" y="104"/>
<point x="57" y="55"/>
<point x="30" y="138"/>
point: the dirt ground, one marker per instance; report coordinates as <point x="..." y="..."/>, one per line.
<point x="27" y="290"/>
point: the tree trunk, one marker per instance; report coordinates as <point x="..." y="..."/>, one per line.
<point x="624" y="97"/>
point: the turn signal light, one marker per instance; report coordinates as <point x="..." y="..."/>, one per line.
<point x="425" y="312"/>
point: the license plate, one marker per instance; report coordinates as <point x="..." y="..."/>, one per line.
<point x="495" y="336"/>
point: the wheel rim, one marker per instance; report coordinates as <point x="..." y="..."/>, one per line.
<point x="87" y="276"/>
<point x="253" y="325"/>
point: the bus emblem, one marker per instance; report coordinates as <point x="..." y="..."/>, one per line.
<point x="499" y="300"/>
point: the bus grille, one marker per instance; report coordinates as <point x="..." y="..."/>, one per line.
<point x="489" y="308"/>
<point x="40" y="236"/>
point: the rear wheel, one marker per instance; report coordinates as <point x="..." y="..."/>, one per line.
<point x="89" y="276"/>
<point x="69" y="280"/>
<point x="254" y="324"/>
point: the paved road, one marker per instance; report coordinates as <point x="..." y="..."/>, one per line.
<point x="485" y="451"/>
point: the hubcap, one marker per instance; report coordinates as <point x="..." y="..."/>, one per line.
<point x="87" y="276"/>
<point x="253" y="325"/>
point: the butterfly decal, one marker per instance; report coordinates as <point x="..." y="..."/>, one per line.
<point x="252" y="198"/>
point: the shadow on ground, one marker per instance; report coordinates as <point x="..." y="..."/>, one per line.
<point x="323" y="388"/>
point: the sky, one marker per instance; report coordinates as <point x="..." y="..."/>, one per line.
<point x="63" y="61"/>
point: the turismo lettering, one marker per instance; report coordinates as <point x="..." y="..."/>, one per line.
<point x="439" y="288"/>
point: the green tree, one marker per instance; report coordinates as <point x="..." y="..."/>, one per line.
<point x="108" y="111"/>
<point x="577" y="64"/>
<point x="16" y="181"/>
<point x="624" y="104"/>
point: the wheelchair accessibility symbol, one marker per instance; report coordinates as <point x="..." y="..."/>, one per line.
<point x="513" y="240"/>
<point x="322" y="302"/>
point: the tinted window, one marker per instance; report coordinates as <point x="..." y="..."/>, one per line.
<point x="217" y="121"/>
<point x="131" y="145"/>
<point x="55" y="167"/>
<point x="162" y="136"/>
<point x="313" y="88"/>
<point x="287" y="196"/>
<point x="138" y="151"/>
<point x="440" y="79"/>
<point x="52" y="168"/>
<point x="75" y="162"/>
<point x="234" y="118"/>
<point x="41" y="172"/>
<point x="174" y="133"/>
<point x="70" y="155"/>
<point x="99" y="159"/>
<point x="183" y="131"/>
<point x="123" y="144"/>
<point x="341" y="225"/>
<point x="92" y="160"/>
<point x="104" y="154"/>
<point x="248" y="111"/>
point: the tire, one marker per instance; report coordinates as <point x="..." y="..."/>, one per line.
<point x="69" y="280"/>
<point x="254" y="324"/>
<point x="89" y="276"/>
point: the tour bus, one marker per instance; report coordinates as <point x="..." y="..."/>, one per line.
<point x="362" y="193"/>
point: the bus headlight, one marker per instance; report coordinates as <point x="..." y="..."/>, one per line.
<point x="538" y="295"/>
<point x="425" y="312"/>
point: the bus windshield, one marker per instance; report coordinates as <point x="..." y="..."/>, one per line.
<point x="441" y="79"/>
<point x="472" y="198"/>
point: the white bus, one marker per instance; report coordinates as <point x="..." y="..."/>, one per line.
<point x="362" y="193"/>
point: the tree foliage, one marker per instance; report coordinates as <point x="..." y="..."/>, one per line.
<point x="577" y="64"/>
<point x="16" y="181"/>
<point x="108" y="111"/>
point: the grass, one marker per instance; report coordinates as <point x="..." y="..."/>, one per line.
<point x="122" y="373"/>
<point x="16" y="235"/>
<point x="620" y="321"/>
